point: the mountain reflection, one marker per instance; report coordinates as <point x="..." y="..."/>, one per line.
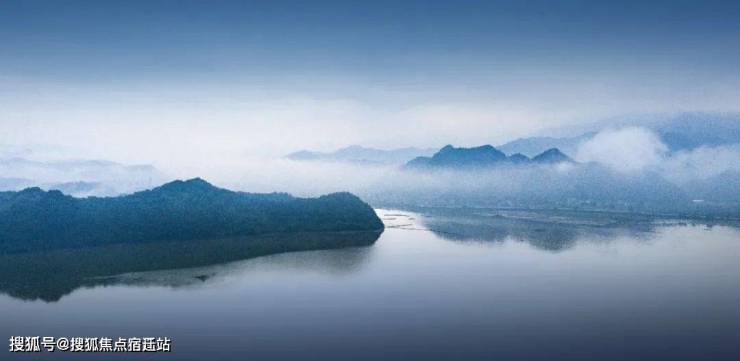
<point x="48" y="276"/>
<point x="549" y="231"/>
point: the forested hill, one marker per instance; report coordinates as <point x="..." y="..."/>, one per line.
<point x="34" y="219"/>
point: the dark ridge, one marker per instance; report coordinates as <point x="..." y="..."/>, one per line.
<point x="451" y="157"/>
<point x="33" y="219"/>
<point x="482" y="157"/>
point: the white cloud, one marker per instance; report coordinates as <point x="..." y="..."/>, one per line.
<point x="628" y="150"/>
<point x="701" y="163"/>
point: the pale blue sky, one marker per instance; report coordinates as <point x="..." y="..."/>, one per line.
<point x="133" y="80"/>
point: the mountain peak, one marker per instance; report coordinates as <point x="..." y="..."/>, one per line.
<point x="552" y="155"/>
<point x="483" y="153"/>
<point x="518" y="158"/>
<point x="451" y="157"/>
<point x="193" y="184"/>
<point x="198" y="181"/>
<point x="486" y="148"/>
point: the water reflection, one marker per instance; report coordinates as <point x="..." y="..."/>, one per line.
<point x="334" y="261"/>
<point x="617" y="289"/>
<point x="48" y="276"/>
<point x="549" y="231"/>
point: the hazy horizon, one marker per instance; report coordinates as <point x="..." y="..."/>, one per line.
<point x="186" y="83"/>
<point x="225" y="90"/>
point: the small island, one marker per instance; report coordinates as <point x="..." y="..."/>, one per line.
<point x="34" y="219"/>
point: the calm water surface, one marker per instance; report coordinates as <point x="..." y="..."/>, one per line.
<point x="472" y="285"/>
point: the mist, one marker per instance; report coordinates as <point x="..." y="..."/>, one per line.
<point x="627" y="168"/>
<point x="47" y="168"/>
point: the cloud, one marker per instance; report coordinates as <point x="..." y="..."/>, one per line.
<point x="626" y="150"/>
<point x="701" y="163"/>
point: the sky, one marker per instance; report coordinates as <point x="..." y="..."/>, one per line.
<point x="192" y="82"/>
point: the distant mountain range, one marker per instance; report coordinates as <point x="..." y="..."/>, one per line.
<point x="580" y="187"/>
<point x="685" y="131"/>
<point x="76" y="188"/>
<point x="34" y="219"/>
<point x="485" y="176"/>
<point x="482" y="157"/>
<point x="692" y="130"/>
<point x="78" y="177"/>
<point x="533" y="146"/>
<point x="363" y="155"/>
